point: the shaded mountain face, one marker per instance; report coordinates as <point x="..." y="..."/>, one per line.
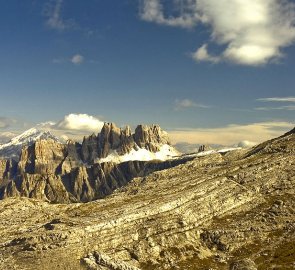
<point x="227" y="211"/>
<point x="73" y="172"/>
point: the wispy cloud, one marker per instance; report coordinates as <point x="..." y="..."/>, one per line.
<point x="287" y="108"/>
<point x="232" y="134"/>
<point x="181" y="104"/>
<point x="277" y="99"/>
<point x="286" y="100"/>
<point x="55" y="21"/>
<point x="253" y="32"/>
<point x="59" y="60"/>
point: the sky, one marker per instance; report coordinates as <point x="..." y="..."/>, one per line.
<point x="207" y="71"/>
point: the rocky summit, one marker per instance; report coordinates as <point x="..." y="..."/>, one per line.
<point x="222" y="211"/>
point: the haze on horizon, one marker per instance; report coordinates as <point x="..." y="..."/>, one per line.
<point x="207" y="71"/>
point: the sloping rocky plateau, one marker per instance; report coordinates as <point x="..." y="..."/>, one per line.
<point x="221" y="211"/>
<point x="63" y="173"/>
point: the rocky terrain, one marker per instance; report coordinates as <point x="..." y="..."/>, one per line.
<point x="232" y="210"/>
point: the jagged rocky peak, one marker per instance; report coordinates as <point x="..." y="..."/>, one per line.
<point x="150" y="137"/>
<point x="111" y="135"/>
<point x="114" y="136"/>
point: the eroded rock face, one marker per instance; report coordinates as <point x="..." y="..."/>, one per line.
<point x="221" y="212"/>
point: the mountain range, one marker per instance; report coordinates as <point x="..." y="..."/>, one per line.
<point x="37" y="164"/>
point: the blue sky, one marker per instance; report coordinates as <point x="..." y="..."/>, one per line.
<point x="180" y="64"/>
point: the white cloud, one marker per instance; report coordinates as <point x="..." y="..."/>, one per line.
<point x="153" y="11"/>
<point x="253" y="32"/>
<point x="187" y="103"/>
<point x="277" y="99"/>
<point x="82" y="122"/>
<point x="77" y="59"/>
<point x="202" y="55"/>
<point x="232" y="134"/>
